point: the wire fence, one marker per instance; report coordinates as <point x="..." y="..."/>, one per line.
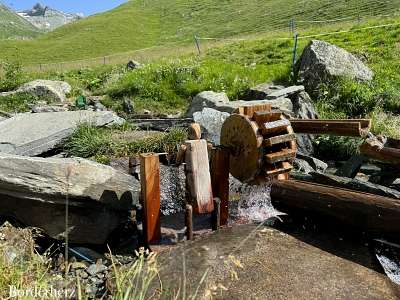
<point x="203" y="43"/>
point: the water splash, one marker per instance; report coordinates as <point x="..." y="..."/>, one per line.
<point x="250" y="203"/>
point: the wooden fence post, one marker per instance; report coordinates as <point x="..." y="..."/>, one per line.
<point x="189" y="222"/>
<point x="150" y="184"/>
<point x="220" y="180"/>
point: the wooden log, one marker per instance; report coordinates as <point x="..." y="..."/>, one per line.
<point x="372" y="213"/>
<point x="282" y="155"/>
<point x="150" y="183"/>
<point x="356" y="128"/>
<point x="376" y="150"/>
<point x="280" y="139"/>
<point x="216" y="215"/>
<point x="189" y="222"/>
<point x="198" y="179"/>
<point x="220" y="180"/>
<point x="194" y="131"/>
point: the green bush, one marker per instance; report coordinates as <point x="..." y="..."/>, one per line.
<point x="17" y="103"/>
<point x="12" y="77"/>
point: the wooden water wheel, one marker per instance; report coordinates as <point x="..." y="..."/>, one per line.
<point x="262" y="143"/>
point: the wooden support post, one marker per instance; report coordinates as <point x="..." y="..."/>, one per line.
<point x="198" y="179"/>
<point x="189" y="222"/>
<point x="150" y="183"/>
<point x="216" y="215"/>
<point x="220" y="180"/>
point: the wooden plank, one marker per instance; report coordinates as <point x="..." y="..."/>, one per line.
<point x="150" y="183"/>
<point x="220" y="180"/>
<point x="279" y="168"/>
<point x="279" y="139"/>
<point x="358" y="128"/>
<point x="282" y="155"/>
<point x="265" y="116"/>
<point x="372" y="213"/>
<point x="198" y="179"/>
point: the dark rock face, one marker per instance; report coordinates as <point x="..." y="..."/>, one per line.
<point x="322" y="61"/>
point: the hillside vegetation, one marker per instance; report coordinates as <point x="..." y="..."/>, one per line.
<point x="146" y="23"/>
<point x="13" y="26"/>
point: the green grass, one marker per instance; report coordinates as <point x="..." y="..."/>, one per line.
<point x="146" y="23"/>
<point x="101" y="144"/>
<point x="13" y="26"/>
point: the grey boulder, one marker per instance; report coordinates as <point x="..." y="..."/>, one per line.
<point x="219" y="101"/>
<point x="322" y="61"/>
<point x="211" y="121"/>
<point x="49" y="90"/>
<point x="35" y="134"/>
<point x="35" y="191"/>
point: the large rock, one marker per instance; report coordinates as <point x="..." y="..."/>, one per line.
<point x="35" y="134"/>
<point x="219" y="101"/>
<point x="49" y="90"/>
<point x="35" y="191"/>
<point x="303" y="108"/>
<point x="322" y="61"/>
<point x="211" y="121"/>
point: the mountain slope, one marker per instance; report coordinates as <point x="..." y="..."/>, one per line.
<point x="145" y="23"/>
<point x="13" y="26"/>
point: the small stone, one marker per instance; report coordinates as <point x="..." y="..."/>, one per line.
<point x="96" y="268"/>
<point x="78" y="265"/>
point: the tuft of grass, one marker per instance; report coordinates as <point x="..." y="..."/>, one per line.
<point x="17" y="103"/>
<point x="101" y="144"/>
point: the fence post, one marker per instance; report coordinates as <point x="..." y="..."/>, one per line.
<point x="196" y="40"/>
<point x="296" y="37"/>
<point x="104" y="60"/>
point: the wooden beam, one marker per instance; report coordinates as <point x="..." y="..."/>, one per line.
<point x="198" y="179"/>
<point x="220" y="180"/>
<point x="376" y="150"/>
<point x="372" y="213"/>
<point x="353" y="127"/>
<point x="150" y="183"/>
<point x="216" y="215"/>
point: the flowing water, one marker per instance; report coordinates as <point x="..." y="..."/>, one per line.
<point x="250" y="203"/>
<point x="388" y="255"/>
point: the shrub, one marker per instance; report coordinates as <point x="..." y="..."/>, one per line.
<point x="12" y="77"/>
<point x="17" y="102"/>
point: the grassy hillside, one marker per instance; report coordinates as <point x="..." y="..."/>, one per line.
<point x="145" y="23"/>
<point x="13" y="26"/>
